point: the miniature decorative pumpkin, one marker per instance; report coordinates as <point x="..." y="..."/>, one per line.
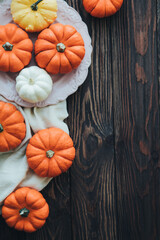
<point x="32" y="15"/>
<point x="59" y="49"/>
<point x="50" y="152"/>
<point x="12" y="127"/>
<point x="33" y="84"/>
<point x="15" y="48"/>
<point x="102" y="8"/>
<point x="25" y="210"/>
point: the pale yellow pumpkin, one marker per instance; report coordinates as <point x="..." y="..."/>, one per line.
<point x="32" y="15"/>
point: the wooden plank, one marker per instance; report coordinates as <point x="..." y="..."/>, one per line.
<point x="58" y="224"/>
<point x="156" y="154"/>
<point x="136" y="119"/>
<point x="111" y="195"/>
<point x="6" y="233"/>
<point x="93" y="199"/>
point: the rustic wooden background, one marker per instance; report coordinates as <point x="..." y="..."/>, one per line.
<point x="112" y="191"/>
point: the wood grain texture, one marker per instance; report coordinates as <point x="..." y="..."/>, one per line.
<point x="93" y="173"/>
<point x="112" y="191"/>
<point x="136" y="119"/>
<point x="93" y="185"/>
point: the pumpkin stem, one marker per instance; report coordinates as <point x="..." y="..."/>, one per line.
<point x="34" y="6"/>
<point x="7" y="46"/>
<point x="31" y="81"/>
<point x="49" y="153"/>
<point x="61" y="47"/>
<point x="1" y="128"/>
<point x="24" y="212"/>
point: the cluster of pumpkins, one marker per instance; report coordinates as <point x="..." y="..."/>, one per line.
<point x="49" y="153"/>
<point x="58" y="49"/>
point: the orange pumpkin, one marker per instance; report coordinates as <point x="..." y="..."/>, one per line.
<point x="12" y="127"/>
<point x="25" y="210"/>
<point x="50" y="152"/>
<point x="59" y="49"/>
<point x="15" y="48"/>
<point x="102" y="8"/>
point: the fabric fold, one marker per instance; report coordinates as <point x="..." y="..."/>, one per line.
<point x="13" y="164"/>
<point x="14" y="169"/>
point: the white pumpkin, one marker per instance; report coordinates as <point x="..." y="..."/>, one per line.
<point x="33" y="84"/>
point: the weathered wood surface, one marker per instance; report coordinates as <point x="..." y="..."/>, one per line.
<point x="136" y="119"/>
<point x="112" y="191"/>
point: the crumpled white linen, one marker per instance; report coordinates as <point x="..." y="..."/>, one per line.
<point x="42" y="118"/>
<point x="13" y="164"/>
<point x="14" y="169"/>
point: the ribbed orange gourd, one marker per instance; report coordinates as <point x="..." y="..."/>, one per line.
<point x="25" y="210"/>
<point x="50" y="152"/>
<point x="12" y="127"/>
<point x="59" y="49"/>
<point x="102" y="8"/>
<point x="15" y="48"/>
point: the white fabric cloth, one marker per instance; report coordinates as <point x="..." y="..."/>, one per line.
<point x="13" y="164"/>
<point x="14" y="170"/>
<point x="42" y="118"/>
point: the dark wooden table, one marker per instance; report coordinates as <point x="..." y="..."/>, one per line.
<point x="112" y="191"/>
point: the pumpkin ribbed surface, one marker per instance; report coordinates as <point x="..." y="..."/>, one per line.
<point x="102" y="8"/>
<point x="25" y="210"/>
<point x="33" y="84"/>
<point x="59" y="49"/>
<point x="32" y="15"/>
<point x="15" y="48"/>
<point x="50" y="152"/>
<point x="12" y="127"/>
